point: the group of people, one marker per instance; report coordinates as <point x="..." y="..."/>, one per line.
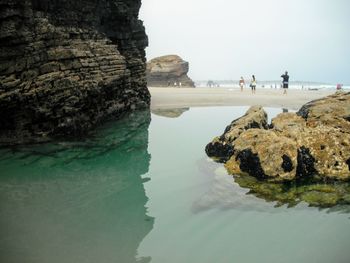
<point x="252" y="84"/>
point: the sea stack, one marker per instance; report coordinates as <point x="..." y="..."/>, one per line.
<point x="312" y="144"/>
<point x="66" y="66"/>
<point x="168" y="71"/>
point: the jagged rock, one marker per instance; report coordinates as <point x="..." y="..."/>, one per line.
<point x="221" y="147"/>
<point x="312" y="144"/>
<point x="65" y="66"/>
<point x="167" y="71"/>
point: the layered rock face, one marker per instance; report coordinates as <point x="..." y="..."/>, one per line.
<point x="313" y="143"/>
<point x="66" y="65"/>
<point x="167" y="71"/>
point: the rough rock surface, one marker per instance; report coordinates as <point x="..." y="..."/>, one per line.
<point x="168" y="70"/>
<point x="312" y="144"/>
<point x="66" y="65"/>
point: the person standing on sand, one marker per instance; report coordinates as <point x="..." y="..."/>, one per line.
<point x="241" y="83"/>
<point x="285" y="82"/>
<point x="253" y="84"/>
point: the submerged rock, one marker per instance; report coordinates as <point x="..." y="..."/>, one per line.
<point x="170" y="70"/>
<point x="312" y="144"/>
<point x="65" y="66"/>
<point x="317" y="194"/>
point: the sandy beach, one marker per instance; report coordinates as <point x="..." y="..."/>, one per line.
<point x="201" y="97"/>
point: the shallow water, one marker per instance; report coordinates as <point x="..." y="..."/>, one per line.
<point x="144" y="191"/>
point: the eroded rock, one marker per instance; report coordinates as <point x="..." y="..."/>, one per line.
<point x="65" y="66"/>
<point x="170" y="70"/>
<point x="312" y="144"/>
<point x="222" y="147"/>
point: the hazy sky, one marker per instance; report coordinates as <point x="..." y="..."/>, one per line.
<point x="224" y="39"/>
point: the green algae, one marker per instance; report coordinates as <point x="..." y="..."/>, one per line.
<point x="316" y="194"/>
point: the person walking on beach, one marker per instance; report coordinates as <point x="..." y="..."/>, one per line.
<point x="285" y="82"/>
<point x="241" y="83"/>
<point x="253" y="84"/>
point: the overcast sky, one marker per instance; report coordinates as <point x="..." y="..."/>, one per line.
<point x="224" y="39"/>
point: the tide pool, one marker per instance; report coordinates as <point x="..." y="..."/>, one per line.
<point x="142" y="189"/>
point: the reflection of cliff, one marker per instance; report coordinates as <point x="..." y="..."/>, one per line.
<point x="170" y="113"/>
<point x="77" y="202"/>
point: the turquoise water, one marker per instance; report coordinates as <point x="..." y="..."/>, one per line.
<point x="142" y="190"/>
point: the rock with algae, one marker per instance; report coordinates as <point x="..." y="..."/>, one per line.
<point x="313" y="143"/>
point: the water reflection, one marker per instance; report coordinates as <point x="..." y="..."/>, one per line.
<point x="317" y="194"/>
<point x="224" y="193"/>
<point x="77" y="201"/>
<point x="170" y="113"/>
<point x="249" y="193"/>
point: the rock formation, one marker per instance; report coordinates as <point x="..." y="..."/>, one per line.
<point x="65" y="66"/>
<point x="312" y="144"/>
<point x="167" y="71"/>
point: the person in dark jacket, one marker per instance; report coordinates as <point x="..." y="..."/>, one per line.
<point x="285" y="82"/>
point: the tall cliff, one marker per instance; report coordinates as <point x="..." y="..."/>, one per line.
<point x="65" y="66"/>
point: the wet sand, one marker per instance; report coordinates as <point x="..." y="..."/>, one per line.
<point x="201" y="97"/>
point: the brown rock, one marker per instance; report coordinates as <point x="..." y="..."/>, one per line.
<point x="221" y="147"/>
<point x="168" y="70"/>
<point x="312" y="144"/>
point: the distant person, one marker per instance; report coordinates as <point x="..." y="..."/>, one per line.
<point x="253" y="84"/>
<point x="285" y="82"/>
<point x="241" y="83"/>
